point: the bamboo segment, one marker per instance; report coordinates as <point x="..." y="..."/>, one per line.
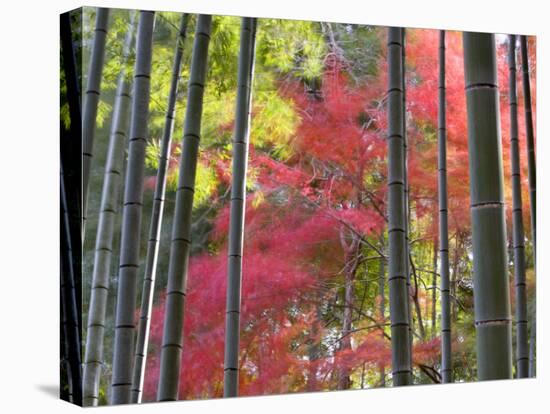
<point x="131" y="217"/>
<point x="237" y="207"/>
<point x="91" y="101"/>
<point x="93" y="359"/>
<point x="491" y="295"/>
<point x="446" y="362"/>
<point x="69" y="302"/>
<point x="529" y="132"/>
<point x="172" y="341"/>
<point x="397" y="280"/>
<point x="156" y="221"/>
<point x="522" y="348"/>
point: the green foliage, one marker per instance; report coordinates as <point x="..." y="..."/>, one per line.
<point x="361" y="48"/>
<point x="291" y="46"/>
<point x="274" y="123"/>
<point x="152" y="154"/>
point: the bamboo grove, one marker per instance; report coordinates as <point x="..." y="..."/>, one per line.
<point x="265" y="206"/>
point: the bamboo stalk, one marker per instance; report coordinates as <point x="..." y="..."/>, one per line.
<point x="491" y="295"/>
<point x="397" y="280"/>
<point x="446" y="357"/>
<point x="522" y="348"/>
<point x="406" y="189"/>
<point x="529" y="132"/>
<point x="91" y="101"/>
<point x="156" y="221"/>
<point x="70" y="215"/>
<point x="172" y="340"/>
<point x="237" y="205"/>
<point x="131" y="217"/>
<point x="69" y="303"/>
<point x="110" y="199"/>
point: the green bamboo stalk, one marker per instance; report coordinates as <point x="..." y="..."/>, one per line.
<point x="131" y="216"/>
<point x="397" y="280"/>
<point x="446" y="360"/>
<point x="529" y="132"/>
<point x="156" y="221"/>
<point x="110" y="198"/>
<point x="91" y="101"/>
<point x="237" y="205"/>
<point x="491" y="295"/>
<point x="172" y="341"/>
<point x="522" y="348"/>
<point x="406" y="187"/>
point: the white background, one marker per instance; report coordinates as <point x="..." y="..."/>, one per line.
<point x="29" y="203"/>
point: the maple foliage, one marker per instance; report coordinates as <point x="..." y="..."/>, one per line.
<point x="302" y="207"/>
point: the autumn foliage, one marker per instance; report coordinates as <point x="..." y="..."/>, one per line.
<point x="301" y="208"/>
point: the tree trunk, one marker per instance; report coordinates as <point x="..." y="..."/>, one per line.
<point x="93" y="89"/>
<point x="491" y="295"/>
<point x="237" y="206"/>
<point x="131" y="217"/>
<point x="522" y="348"/>
<point x="93" y="359"/>
<point x="529" y="132"/>
<point x="350" y="268"/>
<point x="406" y="189"/>
<point x="382" y="309"/>
<point x="314" y="349"/>
<point x="533" y="349"/>
<point x="454" y="280"/>
<point x="434" y="291"/>
<point x="417" y="308"/>
<point x="172" y="341"/>
<point x="446" y="360"/>
<point x="397" y="280"/>
<point x="156" y="222"/>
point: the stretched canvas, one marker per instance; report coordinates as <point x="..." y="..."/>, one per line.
<point x="259" y="206"/>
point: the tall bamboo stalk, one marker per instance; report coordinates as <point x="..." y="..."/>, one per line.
<point x="131" y="216"/>
<point x="172" y="340"/>
<point x="491" y="295"/>
<point x="69" y="303"/>
<point x="529" y="132"/>
<point x="156" y="221"/>
<point x="71" y="145"/>
<point x="406" y="187"/>
<point x="531" y="164"/>
<point x="397" y="280"/>
<point x="70" y="214"/>
<point x="110" y="198"/>
<point x="446" y="360"/>
<point x="237" y="205"/>
<point x="522" y="347"/>
<point x="91" y="101"/>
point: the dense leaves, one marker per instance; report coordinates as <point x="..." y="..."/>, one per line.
<point x="315" y="207"/>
